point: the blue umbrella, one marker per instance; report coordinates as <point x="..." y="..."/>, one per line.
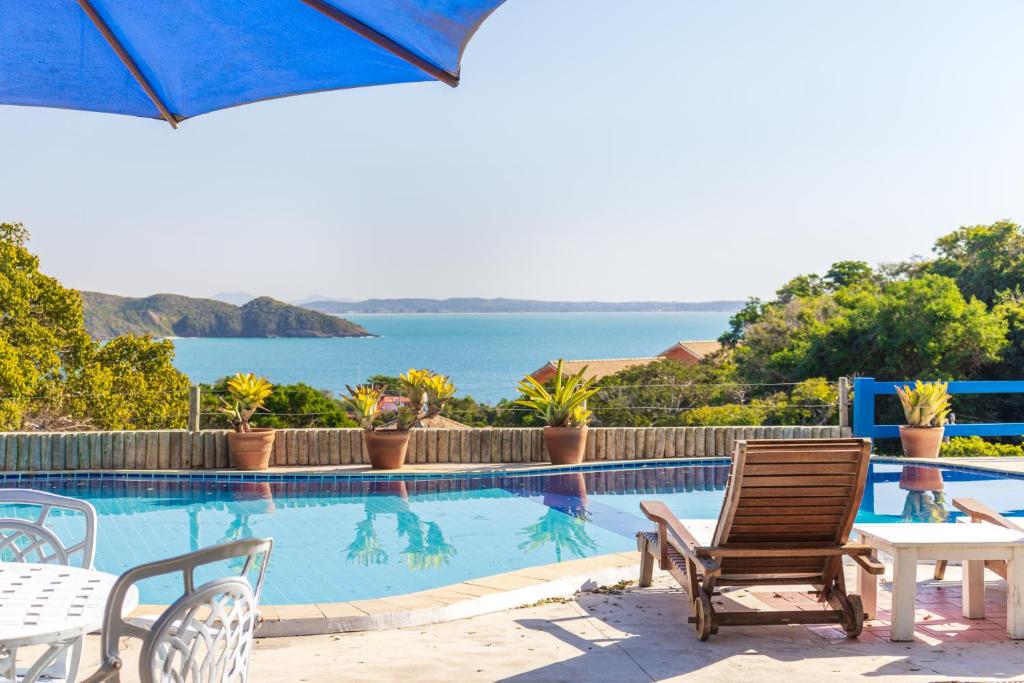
<point x="174" y="59"/>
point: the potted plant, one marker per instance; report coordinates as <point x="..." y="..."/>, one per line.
<point x="249" y="446"/>
<point x="926" y="406"/>
<point x="564" y="412"/>
<point x="425" y="394"/>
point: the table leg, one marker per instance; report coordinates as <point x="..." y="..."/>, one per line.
<point x="8" y="663"/>
<point x="973" y="606"/>
<point x="1015" y="593"/>
<point x="904" y="586"/>
<point x="867" y="584"/>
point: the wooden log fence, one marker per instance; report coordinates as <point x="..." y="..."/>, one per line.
<point x="208" y="449"/>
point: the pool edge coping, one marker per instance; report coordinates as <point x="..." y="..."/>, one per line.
<point x="470" y="598"/>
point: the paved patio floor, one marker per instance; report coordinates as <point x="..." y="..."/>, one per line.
<point x="642" y="635"/>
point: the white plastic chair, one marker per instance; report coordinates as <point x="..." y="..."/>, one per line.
<point x="23" y="540"/>
<point x="35" y="542"/>
<point x="206" y="635"/>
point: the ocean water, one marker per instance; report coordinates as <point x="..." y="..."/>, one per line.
<point x="339" y="538"/>
<point x="485" y="354"/>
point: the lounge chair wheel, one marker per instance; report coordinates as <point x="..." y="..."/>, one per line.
<point x="705" y="617"/>
<point x="853" y="622"/>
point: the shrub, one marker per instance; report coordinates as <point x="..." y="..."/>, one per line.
<point x="976" y="447"/>
<point x="718" y="416"/>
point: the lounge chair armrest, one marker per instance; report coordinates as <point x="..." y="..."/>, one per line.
<point x="857" y="550"/>
<point x="870" y="564"/>
<point x="979" y="512"/>
<point x="672" y="531"/>
<point x="659" y="513"/>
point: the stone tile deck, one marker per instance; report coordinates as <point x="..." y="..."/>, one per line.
<point x="642" y="635"/>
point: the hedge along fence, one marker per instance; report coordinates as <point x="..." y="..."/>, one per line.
<point x="184" y="450"/>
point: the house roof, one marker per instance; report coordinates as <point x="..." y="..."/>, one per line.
<point x="596" y="368"/>
<point x="698" y="348"/>
<point x="441" y="422"/>
<point x="435" y="422"/>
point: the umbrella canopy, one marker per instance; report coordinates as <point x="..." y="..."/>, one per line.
<point x="174" y="59"/>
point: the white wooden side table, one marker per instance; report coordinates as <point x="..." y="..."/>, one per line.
<point x="970" y="543"/>
<point x="52" y="605"/>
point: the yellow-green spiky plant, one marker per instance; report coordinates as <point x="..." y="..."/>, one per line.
<point x="248" y="393"/>
<point x="363" y="403"/>
<point x="439" y="389"/>
<point x="421" y="387"/>
<point x="926" y="404"/>
<point x="566" y="406"/>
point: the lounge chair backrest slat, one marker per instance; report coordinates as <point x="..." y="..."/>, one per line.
<point x="795" y="492"/>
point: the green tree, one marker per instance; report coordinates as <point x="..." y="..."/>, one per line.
<point x="52" y="372"/>
<point x="799" y="287"/>
<point x="41" y="331"/>
<point x="130" y="382"/>
<point x="983" y="259"/>
<point x="469" y="411"/>
<point x="918" y="328"/>
<point x="291" y="405"/>
<point x="738" y="323"/>
<point x="659" y="393"/>
<point x="846" y="273"/>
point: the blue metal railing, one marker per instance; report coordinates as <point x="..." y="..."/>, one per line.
<point x="865" y="389"/>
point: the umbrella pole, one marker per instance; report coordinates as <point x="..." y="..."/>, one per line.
<point x="126" y="58"/>
<point x="383" y="41"/>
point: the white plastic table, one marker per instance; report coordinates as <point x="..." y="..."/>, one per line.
<point x="52" y="605"/>
<point x="970" y="543"/>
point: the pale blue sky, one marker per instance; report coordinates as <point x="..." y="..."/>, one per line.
<point x="665" y="149"/>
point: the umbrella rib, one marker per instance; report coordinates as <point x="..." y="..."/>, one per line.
<point x="378" y="38"/>
<point x="127" y="60"/>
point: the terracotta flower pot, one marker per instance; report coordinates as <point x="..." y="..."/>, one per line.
<point x="565" y="445"/>
<point x="386" y="448"/>
<point x="251" y="450"/>
<point x="921" y="442"/>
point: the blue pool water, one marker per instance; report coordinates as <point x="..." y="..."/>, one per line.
<point x="485" y="354"/>
<point x="343" y="539"/>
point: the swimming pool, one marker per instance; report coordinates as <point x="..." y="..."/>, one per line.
<point x="341" y="538"/>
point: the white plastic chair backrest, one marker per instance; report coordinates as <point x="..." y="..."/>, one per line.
<point x="204" y="637"/>
<point x="34" y="541"/>
<point x="206" y="634"/>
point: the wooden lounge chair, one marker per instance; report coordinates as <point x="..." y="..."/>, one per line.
<point x="979" y="512"/>
<point x="789" y="506"/>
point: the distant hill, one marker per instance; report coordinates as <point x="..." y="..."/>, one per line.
<point x="477" y="305"/>
<point x="171" y="315"/>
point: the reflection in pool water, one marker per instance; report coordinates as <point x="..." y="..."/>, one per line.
<point x="564" y="525"/>
<point x="425" y="547"/>
<point x="926" y="501"/>
<point x="347" y="539"/>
